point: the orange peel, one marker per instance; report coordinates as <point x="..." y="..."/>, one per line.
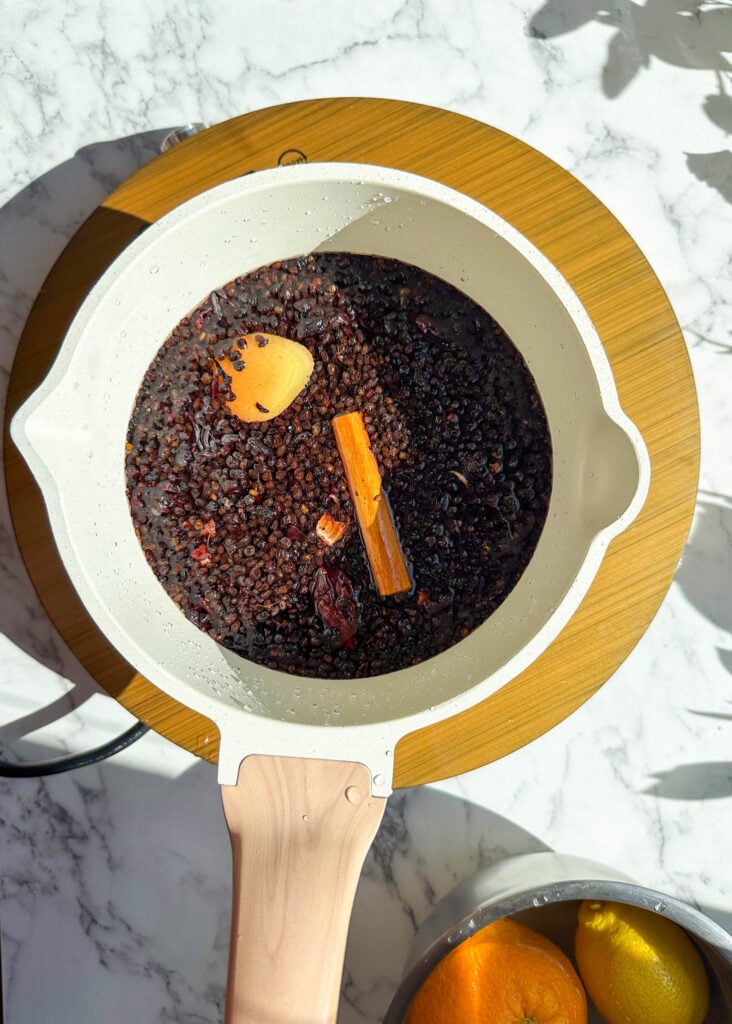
<point x="269" y="374"/>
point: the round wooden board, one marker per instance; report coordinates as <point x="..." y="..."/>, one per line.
<point x="594" y="253"/>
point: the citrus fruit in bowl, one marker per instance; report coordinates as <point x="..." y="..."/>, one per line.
<point x="510" y="944"/>
<point x="635" y="965"/>
<point x="638" y="967"/>
<point x="505" y="973"/>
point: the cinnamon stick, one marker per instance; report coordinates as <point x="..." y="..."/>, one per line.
<point x="384" y="551"/>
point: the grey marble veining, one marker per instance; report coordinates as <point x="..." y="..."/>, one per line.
<point x="114" y="880"/>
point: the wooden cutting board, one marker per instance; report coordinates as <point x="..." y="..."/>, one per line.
<point x="594" y="253"/>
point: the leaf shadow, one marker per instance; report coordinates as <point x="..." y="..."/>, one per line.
<point x="726" y="658"/>
<point x="705" y="573"/>
<point x="693" y="34"/>
<point x="711" y="780"/>
<point x="714" y="169"/>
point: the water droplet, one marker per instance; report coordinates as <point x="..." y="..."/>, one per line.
<point x="305" y="817"/>
<point x="154" y="269"/>
<point x="659" y="907"/>
<point x="354" y="794"/>
<point x="379" y="780"/>
<point x="389" y="199"/>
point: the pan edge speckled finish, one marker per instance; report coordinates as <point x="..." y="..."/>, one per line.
<point x="72" y="433"/>
<point x="543" y="883"/>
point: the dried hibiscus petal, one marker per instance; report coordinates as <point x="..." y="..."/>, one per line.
<point x="332" y="594"/>
<point x="201" y="554"/>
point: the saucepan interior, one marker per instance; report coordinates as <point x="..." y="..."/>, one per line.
<point x="73" y="432"/>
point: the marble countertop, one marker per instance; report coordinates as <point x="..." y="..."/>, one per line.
<point x="114" y="880"/>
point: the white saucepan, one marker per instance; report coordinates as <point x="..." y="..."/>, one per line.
<point x="306" y="764"/>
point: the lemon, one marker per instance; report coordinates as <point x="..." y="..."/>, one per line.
<point x="639" y="967"/>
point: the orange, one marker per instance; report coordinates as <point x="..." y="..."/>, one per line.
<point x="639" y="967"/>
<point x="504" y="974"/>
<point x="267" y="375"/>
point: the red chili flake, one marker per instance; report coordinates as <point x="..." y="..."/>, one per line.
<point x="422" y="597"/>
<point x="332" y="594"/>
<point x="201" y="554"/>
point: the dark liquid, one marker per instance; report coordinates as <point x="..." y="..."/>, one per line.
<point x="226" y="512"/>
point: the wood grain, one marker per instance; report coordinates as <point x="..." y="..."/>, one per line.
<point x="370" y="503"/>
<point x="595" y="254"/>
<point x="300" y="830"/>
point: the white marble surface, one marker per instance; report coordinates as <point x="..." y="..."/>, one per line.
<point x="114" y="880"/>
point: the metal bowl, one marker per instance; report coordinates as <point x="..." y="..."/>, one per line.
<point x="543" y="891"/>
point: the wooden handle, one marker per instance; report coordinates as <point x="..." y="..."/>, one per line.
<point x="300" y="830"/>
